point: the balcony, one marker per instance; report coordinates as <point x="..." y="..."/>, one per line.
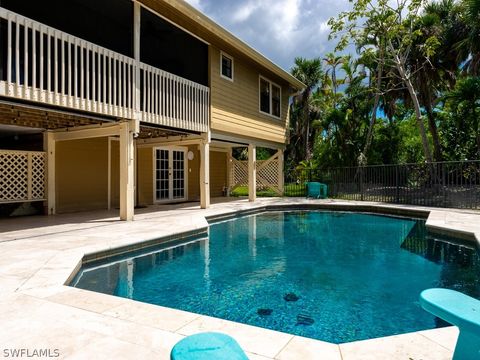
<point x="45" y="65"/>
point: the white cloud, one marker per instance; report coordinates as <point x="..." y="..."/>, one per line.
<point x="279" y="29"/>
<point x="196" y="4"/>
<point x="244" y="12"/>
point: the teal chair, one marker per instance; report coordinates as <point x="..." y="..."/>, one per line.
<point x="207" y="346"/>
<point x="460" y="310"/>
<point x="317" y="190"/>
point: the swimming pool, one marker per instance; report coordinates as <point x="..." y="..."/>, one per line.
<point x="332" y="276"/>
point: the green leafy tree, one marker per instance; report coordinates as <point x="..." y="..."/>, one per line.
<point x="390" y="27"/>
<point x="309" y="71"/>
<point x="461" y="132"/>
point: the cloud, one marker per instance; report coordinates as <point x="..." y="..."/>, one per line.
<point x="279" y="29"/>
<point x="196" y="4"/>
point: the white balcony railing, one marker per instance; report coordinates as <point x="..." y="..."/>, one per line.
<point x="49" y="66"/>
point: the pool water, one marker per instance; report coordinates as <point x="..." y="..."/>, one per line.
<point x="332" y="276"/>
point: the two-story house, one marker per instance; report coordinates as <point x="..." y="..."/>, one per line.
<point x="117" y="103"/>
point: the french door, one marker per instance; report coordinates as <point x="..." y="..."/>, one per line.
<point x="170" y="182"/>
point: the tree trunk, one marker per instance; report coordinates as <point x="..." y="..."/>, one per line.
<point x="363" y="154"/>
<point x="308" y="153"/>
<point x="416" y="105"/>
<point x="432" y="125"/>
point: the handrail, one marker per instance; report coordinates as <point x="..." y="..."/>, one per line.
<point x="50" y="66"/>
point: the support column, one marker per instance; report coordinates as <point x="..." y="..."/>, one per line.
<point x="137" y="10"/>
<point x="51" y="153"/>
<point x="252" y="172"/>
<point x="127" y="171"/>
<point x="204" y="174"/>
<point x="229" y="171"/>
<point x="281" y="175"/>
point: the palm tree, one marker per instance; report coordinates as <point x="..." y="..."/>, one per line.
<point x="308" y="71"/>
<point x="471" y="43"/>
<point x="333" y="61"/>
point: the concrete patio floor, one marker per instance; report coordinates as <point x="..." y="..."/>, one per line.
<point x="37" y="311"/>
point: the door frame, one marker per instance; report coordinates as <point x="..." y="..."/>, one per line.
<point x="183" y="149"/>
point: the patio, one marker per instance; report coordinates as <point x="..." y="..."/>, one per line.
<point x="39" y="312"/>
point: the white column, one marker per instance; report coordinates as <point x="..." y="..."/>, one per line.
<point x="204" y="174"/>
<point x="51" y="197"/>
<point x="252" y="172"/>
<point x="281" y="175"/>
<point x="127" y="166"/>
<point x="137" y="10"/>
<point x="229" y="170"/>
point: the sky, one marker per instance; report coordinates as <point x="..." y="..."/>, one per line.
<point x="280" y="29"/>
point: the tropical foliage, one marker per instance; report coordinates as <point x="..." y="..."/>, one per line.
<point x="410" y="93"/>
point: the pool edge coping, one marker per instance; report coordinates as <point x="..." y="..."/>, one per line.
<point x="372" y="208"/>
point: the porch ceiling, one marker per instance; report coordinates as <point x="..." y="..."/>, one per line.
<point x="40" y="118"/>
<point x="26" y="118"/>
<point x="151" y="132"/>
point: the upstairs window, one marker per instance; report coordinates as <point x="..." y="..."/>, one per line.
<point x="226" y="66"/>
<point x="270" y="98"/>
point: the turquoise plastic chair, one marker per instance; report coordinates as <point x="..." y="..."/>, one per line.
<point x="317" y="190"/>
<point x="207" y="346"/>
<point x="460" y="310"/>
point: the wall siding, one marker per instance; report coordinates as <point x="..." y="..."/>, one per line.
<point x="115" y="174"/>
<point x="81" y="174"/>
<point x="218" y="173"/>
<point x="235" y="105"/>
<point x="145" y="176"/>
<point x="193" y="168"/>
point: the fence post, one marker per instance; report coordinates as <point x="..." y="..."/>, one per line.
<point x="397" y="185"/>
<point x="361" y="183"/>
<point x="444" y="190"/>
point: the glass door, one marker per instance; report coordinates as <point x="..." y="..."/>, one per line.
<point x="170" y="174"/>
<point x="178" y="174"/>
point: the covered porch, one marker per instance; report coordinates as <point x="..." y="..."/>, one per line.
<point x="83" y="163"/>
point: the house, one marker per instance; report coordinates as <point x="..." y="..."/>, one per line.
<point x="117" y="103"/>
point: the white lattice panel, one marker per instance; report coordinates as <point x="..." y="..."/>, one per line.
<point x="267" y="174"/>
<point x="22" y="176"/>
<point x="38" y="175"/>
<point x="239" y="175"/>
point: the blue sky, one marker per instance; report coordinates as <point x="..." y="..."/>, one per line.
<point x="279" y="29"/>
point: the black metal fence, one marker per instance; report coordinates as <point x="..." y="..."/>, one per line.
<point x="442" y="184"/>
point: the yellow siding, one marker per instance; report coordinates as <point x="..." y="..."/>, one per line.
<point x="81" y="174"/>
<point x="235" y="105"/>
<point x="145" y="176"/>
<point x="218" y="173"/>
<point x="193" y="168"/>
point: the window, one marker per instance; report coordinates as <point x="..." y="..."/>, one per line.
<point x="226" y="66"/>
<point x="264" y="96"/>
<point x="270" y="98"/>
<point x="276" y="100"/>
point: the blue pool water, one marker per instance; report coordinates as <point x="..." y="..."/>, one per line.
<point x="332" y="276"/>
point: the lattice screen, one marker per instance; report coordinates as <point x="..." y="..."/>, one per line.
<point x="22" y="176"/>
<point x="38" y="175"/>
<point x="267" y="174"/>
<point x="239" y="175"/>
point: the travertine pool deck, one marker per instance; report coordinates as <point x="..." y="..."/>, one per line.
<point x="37" y="311"/>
